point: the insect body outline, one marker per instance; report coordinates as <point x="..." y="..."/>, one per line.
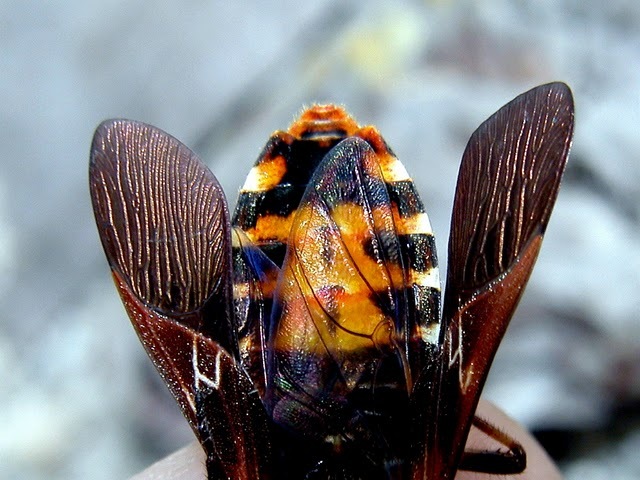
<point x="302" y="337"/>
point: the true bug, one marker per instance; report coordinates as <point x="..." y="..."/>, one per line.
<point x="304" y="340"/>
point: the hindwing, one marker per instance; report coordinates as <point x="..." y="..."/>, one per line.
<point x="347" y="337"/>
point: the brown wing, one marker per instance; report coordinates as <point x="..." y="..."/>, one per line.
<point x="214" y="394"/>
<point x="164" y="225"/>
<point x="507" y="185"/>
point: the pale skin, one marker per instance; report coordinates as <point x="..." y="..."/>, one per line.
<point x="188" y="462"/>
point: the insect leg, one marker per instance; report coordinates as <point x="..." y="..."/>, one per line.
<point x="511" y="461"/>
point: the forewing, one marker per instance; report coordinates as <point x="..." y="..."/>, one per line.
<point x="507" y="185"/>
<point x="215" y="395"/>
<point x="164" y="226"/>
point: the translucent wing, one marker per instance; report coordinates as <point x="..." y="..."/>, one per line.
<point x="164" y="225"/>
<point x="507" y="185"/>
<point x="343" y="332"/>
<point x="255" y="279"/>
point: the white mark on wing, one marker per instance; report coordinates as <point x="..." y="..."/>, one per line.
<point x="198" y="376"/>
<point x="457" y="357"/>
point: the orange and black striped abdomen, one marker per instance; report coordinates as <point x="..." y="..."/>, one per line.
<point x="330" y="203"/>
<point x="419" y="260"/>
<point x="273" y="189"/>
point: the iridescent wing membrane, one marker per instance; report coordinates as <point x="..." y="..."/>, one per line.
<point x="306" y="341"/>
<point x="346" y="337"/>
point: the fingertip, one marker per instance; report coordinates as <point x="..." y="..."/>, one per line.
<point x="185" y="464"/>
<point x="539" y="464"/>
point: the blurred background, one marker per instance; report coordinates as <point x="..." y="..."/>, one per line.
<point x="78" y="397"/>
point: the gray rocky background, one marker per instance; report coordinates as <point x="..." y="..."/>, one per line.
<point x="78" y="398"/>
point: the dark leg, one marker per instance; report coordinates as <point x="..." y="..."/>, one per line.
<point x="511" y="461"/>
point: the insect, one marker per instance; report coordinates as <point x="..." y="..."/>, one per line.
<point x="303" y="339"/>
